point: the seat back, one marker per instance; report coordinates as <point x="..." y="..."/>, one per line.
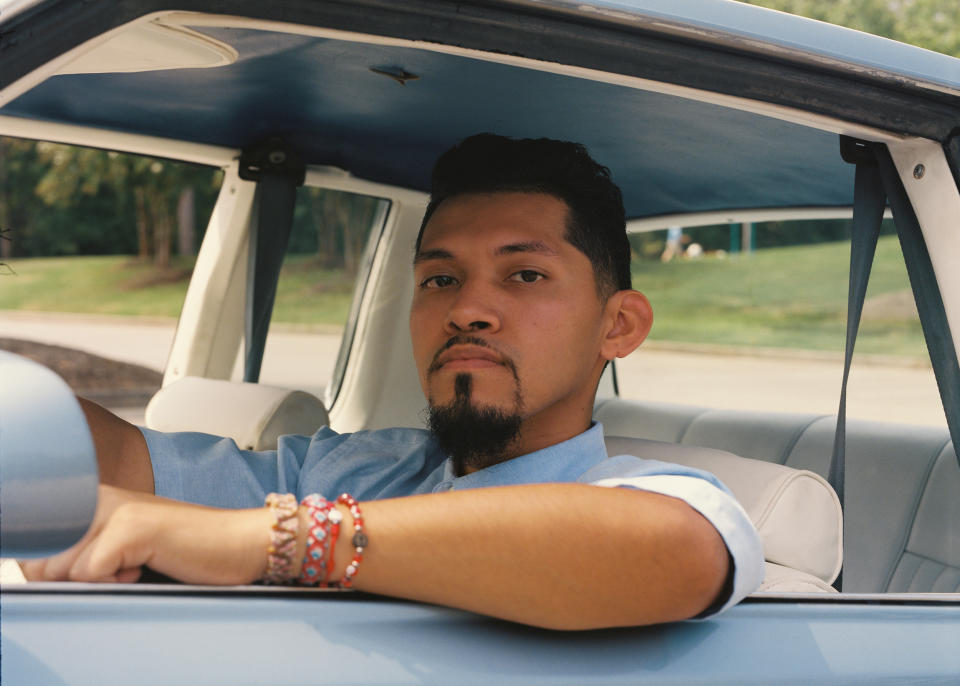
<point x="796" y="512"/>
<point x="253" y="415"/>
<point x="902" y="509"/>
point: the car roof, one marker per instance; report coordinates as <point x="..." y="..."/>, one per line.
<point x="767" y="31"/>
<point x="655" y="90"/>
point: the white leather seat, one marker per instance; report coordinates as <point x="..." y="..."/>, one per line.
<point x="901" y="515"/>
<point x="796" y="512"/>
<point x="253" y="415"/>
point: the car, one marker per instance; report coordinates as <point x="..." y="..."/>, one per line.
<point x="706" y="112"/>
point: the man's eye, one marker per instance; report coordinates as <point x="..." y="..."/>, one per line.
<point x="526" y="276"/>
<point x="438" y="281"/>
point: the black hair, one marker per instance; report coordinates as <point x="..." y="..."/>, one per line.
<point x="487" y="163"/>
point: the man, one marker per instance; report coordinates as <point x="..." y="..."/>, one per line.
<point x="522" y="296"/>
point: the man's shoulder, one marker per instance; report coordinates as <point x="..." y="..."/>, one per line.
<point x="394" y="435"/>
<point x="662" y="451"/>
<point x="372" y="443"/>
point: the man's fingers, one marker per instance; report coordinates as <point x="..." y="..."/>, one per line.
<point x="129" y="576"/>
<point x="119" y="547"/>
<point x="32" y="569"/>
<point x="57" y="568"/>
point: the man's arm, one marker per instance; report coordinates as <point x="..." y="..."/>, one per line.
<point x="561" y="556"/>
<point x="122" y="455"/>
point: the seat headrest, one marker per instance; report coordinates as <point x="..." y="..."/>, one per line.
<point x="796" y="512"/>
<point x="253" y="415"/>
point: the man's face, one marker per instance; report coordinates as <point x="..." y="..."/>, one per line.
<point x="506" y="311"/>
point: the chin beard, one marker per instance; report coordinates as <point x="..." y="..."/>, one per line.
<point x="474" y="437"/>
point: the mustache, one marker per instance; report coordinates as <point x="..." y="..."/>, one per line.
<point x="463" y="339"/>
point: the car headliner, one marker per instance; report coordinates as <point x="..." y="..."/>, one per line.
<point x="669" y="154"/>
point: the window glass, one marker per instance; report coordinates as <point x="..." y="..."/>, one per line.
<point x="328" y="254"/>
<point x="753" y="317"/>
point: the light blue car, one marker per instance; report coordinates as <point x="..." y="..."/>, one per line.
<point x="706" y="111"/>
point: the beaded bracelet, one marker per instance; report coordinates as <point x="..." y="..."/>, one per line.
<point x="283" y="537"/>
<point x="313" y="570"/>
<point x="325" y="520"/>
<point x="359" y="540"/>
<point x="334" y="518"/>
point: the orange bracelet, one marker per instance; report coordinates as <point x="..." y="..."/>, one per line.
<point x="283" y="537"/>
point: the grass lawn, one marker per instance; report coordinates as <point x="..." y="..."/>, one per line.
<point x="120" y="285"/>
<point x="792" y="297"/>
<point x="778" y="297"/>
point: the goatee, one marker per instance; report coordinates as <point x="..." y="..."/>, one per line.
<point x="474" y="437"/>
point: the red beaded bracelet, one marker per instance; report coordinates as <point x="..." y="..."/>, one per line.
<point x="334" y="518"/>
<point x="313" y="570"/>
<point x="359" y="540"/>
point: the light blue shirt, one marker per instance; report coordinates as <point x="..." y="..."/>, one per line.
<point x="390" y="463"/>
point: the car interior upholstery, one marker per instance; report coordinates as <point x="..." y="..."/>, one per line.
<point x="253" y="415"/>
<point x="898" y="530"/>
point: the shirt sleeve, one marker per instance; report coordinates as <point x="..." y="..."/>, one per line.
<point x="708" y="496"/>
<point x="211" y="470"/>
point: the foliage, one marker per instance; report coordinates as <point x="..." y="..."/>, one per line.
<point x="333" y="225"/>
<point x="64" y="200"/>
<point x="931" y="24"/>
<point x="144" y="191"/>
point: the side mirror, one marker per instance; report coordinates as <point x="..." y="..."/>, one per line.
<point x="48" y="466"/>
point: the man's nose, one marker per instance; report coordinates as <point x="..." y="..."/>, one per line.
<point x="474" y="309"/>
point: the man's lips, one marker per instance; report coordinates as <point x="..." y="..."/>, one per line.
<point x="466" y="357"/>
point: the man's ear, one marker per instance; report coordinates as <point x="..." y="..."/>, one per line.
<point x="629" y="317"/>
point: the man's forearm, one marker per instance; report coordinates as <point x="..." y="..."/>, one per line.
<point x="122" y="454"/>
<point x="563" y="556"/>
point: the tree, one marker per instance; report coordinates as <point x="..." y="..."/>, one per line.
<point x="930" y="24"/>
<point x="142" y="189"/>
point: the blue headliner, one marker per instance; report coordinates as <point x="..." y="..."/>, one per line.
<point x="667" y="153"/>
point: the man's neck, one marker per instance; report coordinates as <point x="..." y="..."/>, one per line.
<point x="533" y="438"/>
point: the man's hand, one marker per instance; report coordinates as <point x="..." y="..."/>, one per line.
<point x="188" y="542"/>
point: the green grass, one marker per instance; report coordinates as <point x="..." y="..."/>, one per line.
<point x="95" y="285"/>
<point x="122" y="286"/>
<point x="793" y="297"/>
<point x="780" y="297"/>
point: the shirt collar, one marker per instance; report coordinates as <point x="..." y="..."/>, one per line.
<point x="563" y="462"/>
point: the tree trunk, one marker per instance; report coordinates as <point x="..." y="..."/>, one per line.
<point x="162" y="230"/>
<point x="186" y="229"/>
<point x="326" y="234"/>
<point x="6" y="239"/>
<point x="143" y="224"/>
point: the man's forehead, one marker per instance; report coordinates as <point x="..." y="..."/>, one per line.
<point x="507" y="222"/>
<point x="537" y="247"/>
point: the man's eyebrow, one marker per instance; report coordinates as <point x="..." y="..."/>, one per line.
<point x="526" y="246"/>
<point x="509" y="249"/>
<point x="427" y="255"/>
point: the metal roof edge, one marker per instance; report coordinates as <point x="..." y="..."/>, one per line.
<point x="758" y="30"/>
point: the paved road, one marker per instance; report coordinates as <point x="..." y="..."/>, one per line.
<point x="882" y="392"/>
